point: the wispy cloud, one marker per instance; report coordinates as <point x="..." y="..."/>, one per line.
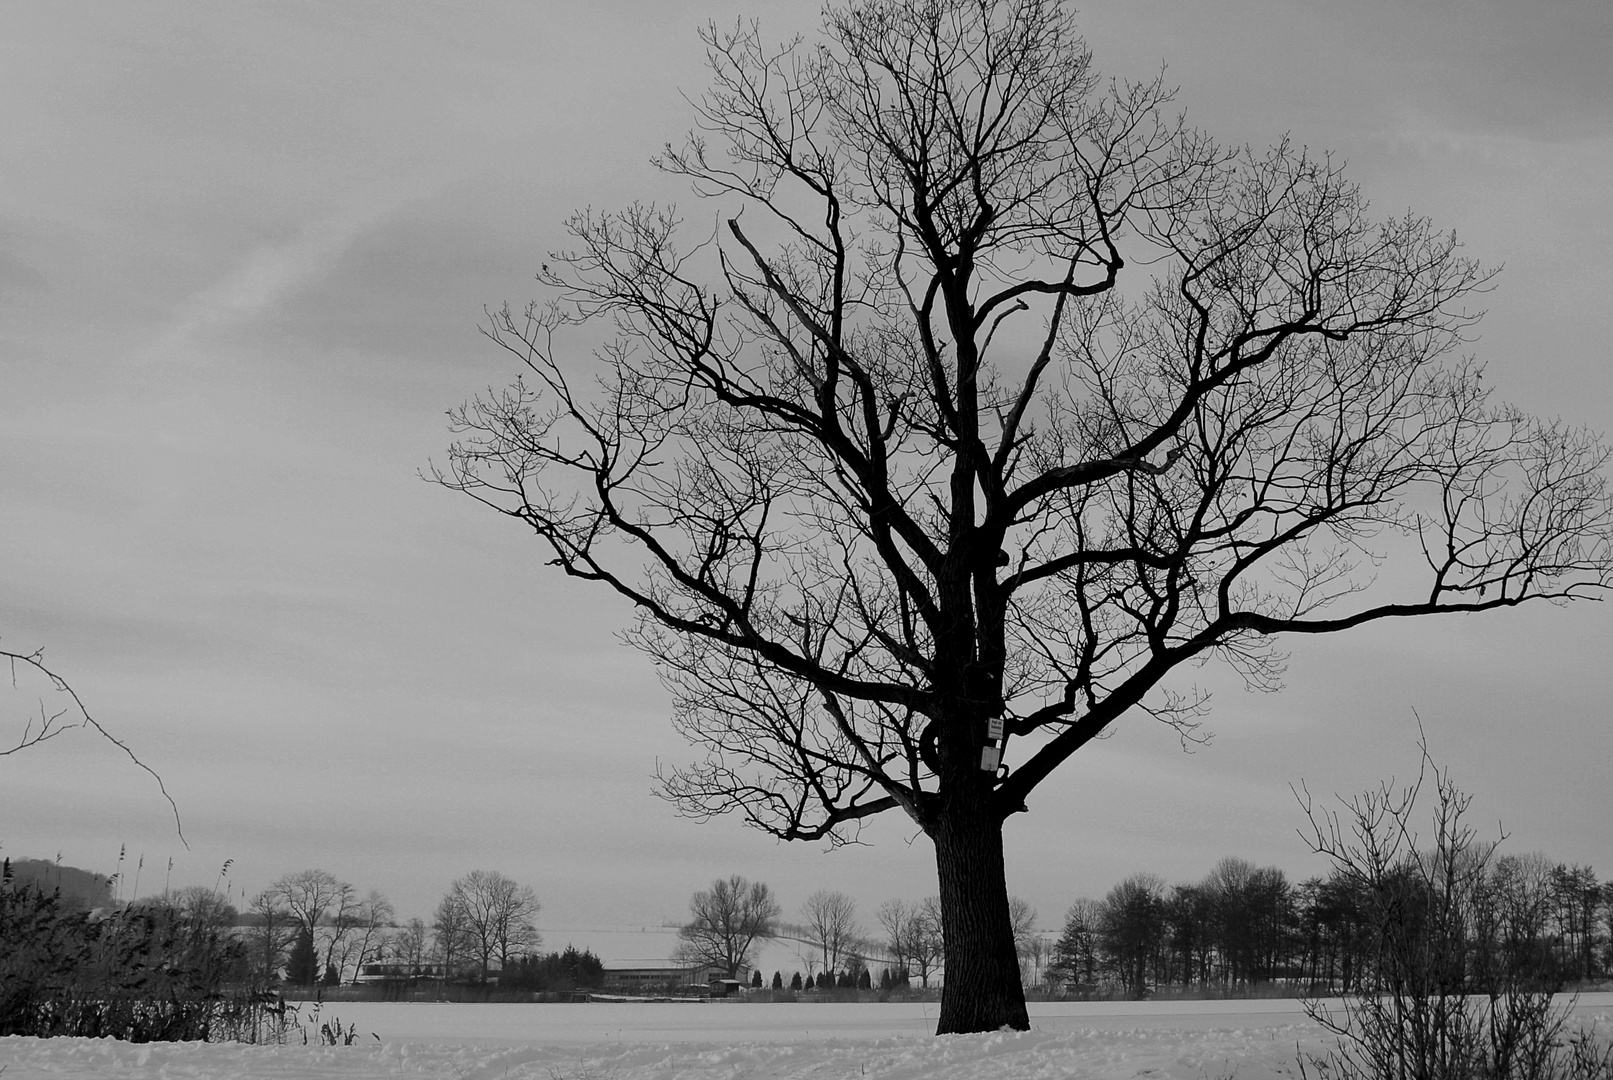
<point x="267" y="275"/>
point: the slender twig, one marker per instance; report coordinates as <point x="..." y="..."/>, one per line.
<point x="52" y="724"/>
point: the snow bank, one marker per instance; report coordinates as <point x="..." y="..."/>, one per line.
<point x="1156" y="1041"/>
<point x="1108" y="1055"/>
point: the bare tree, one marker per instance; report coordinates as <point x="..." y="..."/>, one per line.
<point x="913" y="935"/>
<point x="1028" y="945"/>
<point x="452" y="942"/>
<point x="368" y="929"/>
<point x="204" y="907"/>
<point x="269" y="933"/>
<point x="1038" y="950"/>
<point x="894" y="917"/>
<point x="726" y="922"/>
<point x="1576" y="895"/>
<point x="882" y="528"/>
<point x="829" y="924"/>
<point x="497" y="915"/>
<point x="926" y="942"/>
<point x="1433" y="1004"/>
<point x="1022" y="917"/>
<point x="321" y="905"/>
<point x="409" y="944"/>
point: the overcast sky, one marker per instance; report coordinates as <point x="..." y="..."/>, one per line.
<point x="244" y="250"/>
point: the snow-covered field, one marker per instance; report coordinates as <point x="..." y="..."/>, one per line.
<point x="1202" y="1040"/>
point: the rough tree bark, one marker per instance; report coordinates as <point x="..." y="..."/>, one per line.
<point x="982" y="990"/>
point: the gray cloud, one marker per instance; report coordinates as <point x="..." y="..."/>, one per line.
<point x="245" y="254"/>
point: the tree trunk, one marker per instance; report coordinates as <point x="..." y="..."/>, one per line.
<point x="982" y="991"/>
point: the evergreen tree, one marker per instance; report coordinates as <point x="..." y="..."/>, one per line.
<point x="303" y="965"/>
<point x="556" y="971"/>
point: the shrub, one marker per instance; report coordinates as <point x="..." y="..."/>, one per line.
<point x="143" y="974"/>
<point x="555" y="972"/>
<point x="1454" y="987"/>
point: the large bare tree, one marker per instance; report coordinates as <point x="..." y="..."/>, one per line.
<point x="997" y="395"/>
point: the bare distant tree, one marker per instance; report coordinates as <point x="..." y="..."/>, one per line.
<point x="203" y="921"/>
<point x="1026" y="942"/>
<point x="913" y="935"/>
<point x="805" y="955"/>
<point x="927" y="939"/>
<point x="829" y="922"/>
<point x="1027" y="945"/>
<point x="893" y="917"/>
<point x="204" y="907"/>
<point x="1022" y="917"/>
<point x="368" y="928"/>
<point x="1040" y="956"/>
<point x="727" y="920"/>
<point x="452" y="943"/>
<point x="411" y="941"/>
<point x="1576" y="896"/>
<point x="999" y="396"/>
<point x="313" y="897"/>
<point x="269" y="933"/>
<point x="322" y="905"/>
<point x="497" y="913"/>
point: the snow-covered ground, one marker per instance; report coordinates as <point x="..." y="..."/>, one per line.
<point x="1203" y="1040"/>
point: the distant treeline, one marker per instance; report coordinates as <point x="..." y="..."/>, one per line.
<point x="1244" y="927"/>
